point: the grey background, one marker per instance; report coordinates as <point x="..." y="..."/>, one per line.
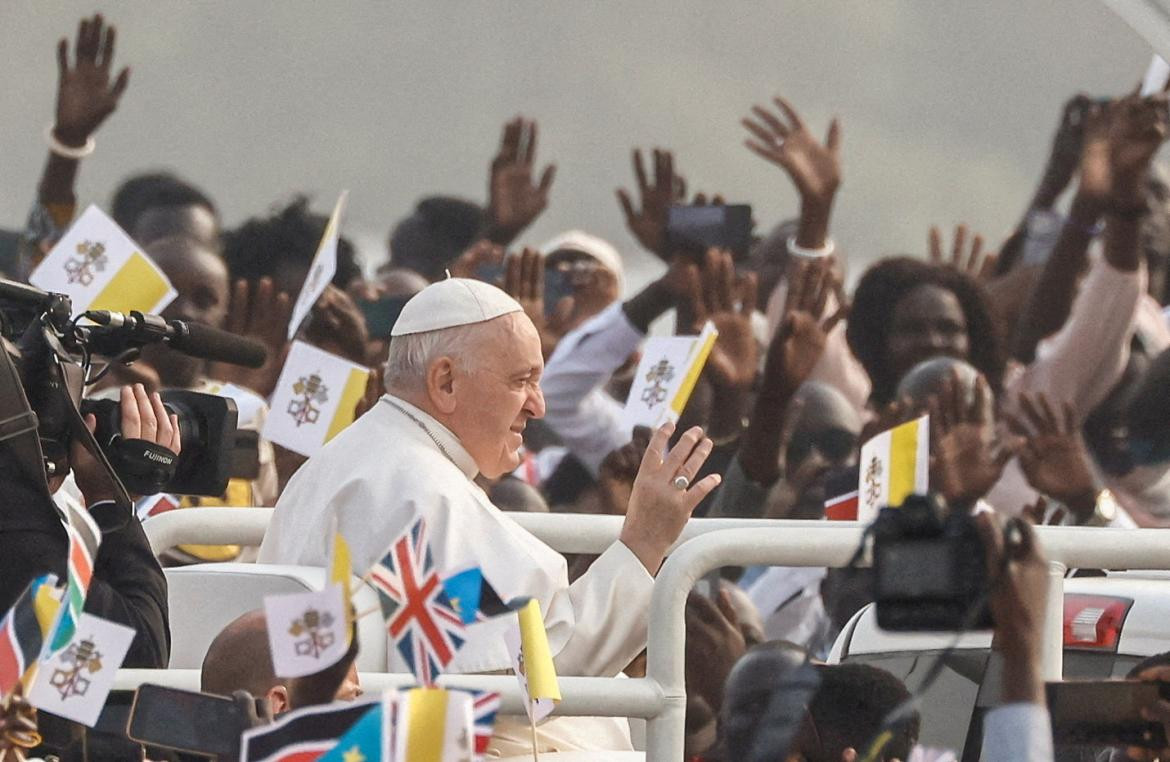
<point x="947" y="106"/>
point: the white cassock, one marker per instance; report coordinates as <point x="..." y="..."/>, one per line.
<point x="396" y="463"/>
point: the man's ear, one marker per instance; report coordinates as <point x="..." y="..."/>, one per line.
<point x="441" y="384"/>
<point x="278" y="699"/>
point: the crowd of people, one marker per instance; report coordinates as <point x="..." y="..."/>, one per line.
<point x="501" y="367"/>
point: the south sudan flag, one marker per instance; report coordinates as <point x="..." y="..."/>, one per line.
<point x="84" y="538"/>
<point x="24" y="628"/>
<point x="305" y="734"/>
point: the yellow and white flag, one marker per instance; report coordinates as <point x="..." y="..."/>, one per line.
<point x="99" y="267"/>
<point x="322" y="270"/>
<point x="307" y="632"/>
<point x="434" y="725"/>
<point x="666" y="376"/>
<point x="532" y="660"/>
<point x="75" y="682"/>
<point x="894" y="464"/>
<point x="341" y="574"/>
<point x="314" y="398"/>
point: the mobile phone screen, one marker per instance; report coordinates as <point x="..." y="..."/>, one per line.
<point x="557" y="285"/>
<point x="1105" y="712"/>
<point x="200" y="723"/>
<point x="694" y="229"/>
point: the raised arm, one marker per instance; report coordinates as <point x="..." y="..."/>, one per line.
<point x="515" y="197"/>
<point x="1119" y="141"/>
<point x="791" y="357"/>
<point x="87" y="94"/>
<point x="813" y="167"/>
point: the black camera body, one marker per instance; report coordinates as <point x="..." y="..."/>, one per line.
<point x="929" y="568"/>
<point x="207" y="428"/>
<point x="46" y="356"/>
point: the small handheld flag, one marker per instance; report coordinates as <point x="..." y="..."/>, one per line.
<point x="420" y="619"/>
<point x="75" y="682"/>
<point x="314" y="398"/>
<point x="84" y="539"/>
<point x="528" y="643"/>
<point x="304" y="735"/>
<point x="666" y="376"/>
<point x="368" y="739"/>
<point x="341" y="574"/>
<point x="307" y="632"/>
<point x="322" y="270"/>
<point x="99" y="267"/>
<point x="25" y="629"/>
<point x="434" y="725"/>
<point x="474" y="597"/>
<point x="484" y="706"/>
<point x="894" y="464"/>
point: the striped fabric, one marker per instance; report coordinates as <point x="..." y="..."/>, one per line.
<point x="84" y="539"/>
<point x="23" y="630"/>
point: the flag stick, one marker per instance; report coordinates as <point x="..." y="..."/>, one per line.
<point x="532" y="724"/>
<point x="367" y="612"/>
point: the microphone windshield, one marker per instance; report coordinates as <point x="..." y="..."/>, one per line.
<point x="213" y="344"/>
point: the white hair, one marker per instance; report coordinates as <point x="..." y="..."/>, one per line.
<point x="410" y="355"/>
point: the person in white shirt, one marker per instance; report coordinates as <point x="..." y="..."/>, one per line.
<point x="463" y="379"/>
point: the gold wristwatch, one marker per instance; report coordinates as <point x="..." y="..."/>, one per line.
<point x="1104" y="511"/>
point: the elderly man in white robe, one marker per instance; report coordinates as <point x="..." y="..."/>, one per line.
<point x="462" y="380"/>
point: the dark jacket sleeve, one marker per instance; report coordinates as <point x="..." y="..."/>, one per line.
<point x="129" y="587"/>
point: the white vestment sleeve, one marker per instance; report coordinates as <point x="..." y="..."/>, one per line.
<point x="1020" y="732"/>
<point x="584" y="416"/>
<point x="610" y="605"/>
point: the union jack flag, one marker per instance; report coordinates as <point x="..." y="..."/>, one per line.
<point x="483" y="715"/>
<point x="423" y="624"/>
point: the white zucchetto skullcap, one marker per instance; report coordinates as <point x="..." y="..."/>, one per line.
<point x="451" y="302"/>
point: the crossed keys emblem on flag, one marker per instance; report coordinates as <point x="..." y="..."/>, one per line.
<point x="873" y="481"/>
<point x="90" y="256"/>
<point x="658" y="377"/>
<point x="80" y="657"/>
<point x="311" y="392"/>
<point x="315" y="627"/>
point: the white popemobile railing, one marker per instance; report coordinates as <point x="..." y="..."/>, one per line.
<point x="706" y="544"/>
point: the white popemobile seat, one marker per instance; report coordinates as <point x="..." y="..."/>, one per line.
<point x="204" y="598"/>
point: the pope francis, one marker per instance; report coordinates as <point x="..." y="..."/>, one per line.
<point x="462" y="380"/>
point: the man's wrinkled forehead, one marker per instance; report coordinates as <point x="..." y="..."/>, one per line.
<point x="509" y="340"/>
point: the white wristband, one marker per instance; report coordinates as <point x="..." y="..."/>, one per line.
<point x="801" y="251"/>
<point x="68" y="152"/>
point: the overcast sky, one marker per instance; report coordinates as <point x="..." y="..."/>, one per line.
<point x="947" y="106"/>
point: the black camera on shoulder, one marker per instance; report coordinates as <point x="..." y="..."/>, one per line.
<point x="46" y="360"/>
<point x="929" y="568"/>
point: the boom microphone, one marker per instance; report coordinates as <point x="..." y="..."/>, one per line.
<point x="116" y="331"/>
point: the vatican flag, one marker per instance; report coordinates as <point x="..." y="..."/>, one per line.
<point x="99" y="267"/>
<point x="894" y="464"/>
<point x="314" y="398"/>
<point x="528" y="644"/>
<point x="434" y="725"/>
<point x="666" y="376"/>
<point x="321" y="271"/>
